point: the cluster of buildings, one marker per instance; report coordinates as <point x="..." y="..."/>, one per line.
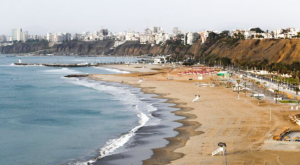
<point x="153" y="35"/>
<point x="85" y="36"/>
<point x="18" y="35"/>
<point x="275" y="34"/>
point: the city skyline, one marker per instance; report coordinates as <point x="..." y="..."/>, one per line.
<point x="39" y="17"/>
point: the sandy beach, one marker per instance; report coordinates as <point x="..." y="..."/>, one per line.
<point x="218" y="117"/>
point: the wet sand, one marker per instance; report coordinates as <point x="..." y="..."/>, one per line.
<point x="218" y="117"/>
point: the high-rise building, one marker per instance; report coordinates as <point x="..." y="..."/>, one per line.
<point x="67" y="36"/>
<point x="156" y="29"/>
<point x="24" y="36"/>
<point x="49" y="37"/>
<point x="16" y="34"/>
<point x="176" y="31"/>
<point x="103" y="32"/>
<point x="2" y="38"/>
<point x="148" y="31"/>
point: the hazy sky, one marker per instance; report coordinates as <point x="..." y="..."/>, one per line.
<point x="42" y="16"/>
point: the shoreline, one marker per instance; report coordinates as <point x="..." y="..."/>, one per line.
<point x="240" y="123"/>
<point x="166" y="154"/>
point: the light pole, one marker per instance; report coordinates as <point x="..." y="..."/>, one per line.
<point x="245" y="84"/>
<point x="238" y="82"/>
<point x="270" y="113"/>
<point x="277" y="91"/>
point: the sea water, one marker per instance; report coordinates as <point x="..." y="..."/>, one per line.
<point x="46" y="119"/>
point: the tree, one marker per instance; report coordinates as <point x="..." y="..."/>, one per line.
<point x="245" y="90"/>
<point x="225" y="61"/>
<point x="297" y="90"/>
<point x="253" y="81"/>
<point x="224" y="34"/>
<point x="258" y="86"/>
<point x="260" y="36"/>
<point x="257" y="30"/>
<point x="258" y="99"/>
<point x="265" y="87"/>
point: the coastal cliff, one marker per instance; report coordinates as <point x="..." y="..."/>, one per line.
<point x="282" y="50"/>
<point x="279" y="50"/>
<point x="26" y="47"/>
<point x="84" y="48"/>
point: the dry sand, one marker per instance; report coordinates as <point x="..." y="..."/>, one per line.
<point x="218" y="117"/>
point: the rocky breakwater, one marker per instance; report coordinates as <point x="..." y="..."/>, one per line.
<point x="76" y="75"/>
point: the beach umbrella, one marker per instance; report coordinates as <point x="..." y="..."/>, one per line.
<point x="221" y="144"/>
<point x="287" y="138"/>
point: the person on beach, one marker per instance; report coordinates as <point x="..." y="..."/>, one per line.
<point x="197" y="98"/>
<point x="140" y="81"/>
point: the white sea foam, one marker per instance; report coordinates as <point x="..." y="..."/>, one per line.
<point x="12" y="64"/>
<point x="142" y="109"/>
<point x="113" y="70"/>
<point x="62" y="71"/>
<point x="114" y="144"/>
<point x="84" y="163"/>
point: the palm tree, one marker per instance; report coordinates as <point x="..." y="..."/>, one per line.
<point x="253" y="83"/>
<point x="265" y="87"/>
<point x="297" y="90"/>
<point x="257" y="83"/>
<point x="258" y="99"/>
<point x="245" y="90"/>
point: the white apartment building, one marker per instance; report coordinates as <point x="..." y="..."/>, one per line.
<point x="57" y="37"/>
<point x="24" y="36"/>
<point x="278" y="33"/>
<point x="192" y="38"/>
<point x="49" y="37"/>
<point x="159" y="38"/>
<point x="76" y="36"/>
<point x="249" y="34"/>
<point x="131" y="36"/>
<point x="16" y="34"/>
<point x="204" y="35"/>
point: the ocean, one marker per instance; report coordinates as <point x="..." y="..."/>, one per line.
<point x="47" y="119"/>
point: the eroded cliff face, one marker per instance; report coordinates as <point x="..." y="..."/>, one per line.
<point x="84" y="48"/>
<point x="283" y="50"/>
<point x="24" y="47"/>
